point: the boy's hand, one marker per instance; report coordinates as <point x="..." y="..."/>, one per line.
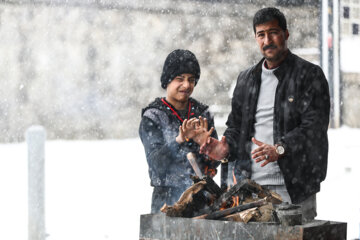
<point x="196" y="129"/>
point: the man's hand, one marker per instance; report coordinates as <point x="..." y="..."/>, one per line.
<point x="265" y="152"/>
<point x="215" y="149"/>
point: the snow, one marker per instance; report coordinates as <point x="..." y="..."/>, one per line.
<point x="99" y="189"/>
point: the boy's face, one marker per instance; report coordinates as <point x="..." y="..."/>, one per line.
<point x="181" y="87"/>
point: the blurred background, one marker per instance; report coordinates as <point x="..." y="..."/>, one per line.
<point x="84" y="69"/>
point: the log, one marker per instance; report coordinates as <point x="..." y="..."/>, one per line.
<point x="234" y="191"/>
<point x="266" y="213"/>
<point x="211" y="186"/>
<point x="192" y="159"/>
<point x="246" y="187"/>
<point x="263" y="192"/>
<point x="228" y="211"/>
<point x="186" y="206"/>
<point x="224" y="175"/>
<point x="272" y="197"/>
<point x="244" y="216"/>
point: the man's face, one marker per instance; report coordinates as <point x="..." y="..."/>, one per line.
<point x="181" y="87"/>
<point x="271" y="40"/>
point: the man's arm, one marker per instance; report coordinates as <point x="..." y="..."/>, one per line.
<point x="229" y="143"/>
<point x="314" y="107"/>
<point x="215" y="149"/>
<point x="234" y="121"/>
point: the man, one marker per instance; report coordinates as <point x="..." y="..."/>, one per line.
<point x="277" y="129"/>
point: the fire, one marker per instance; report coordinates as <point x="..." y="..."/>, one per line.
<point x="235" y="199"/>
<point x="209" y="171"/>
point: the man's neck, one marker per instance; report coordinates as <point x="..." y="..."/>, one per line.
<point x="275" y="63"/>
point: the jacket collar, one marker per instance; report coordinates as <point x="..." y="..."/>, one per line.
<point x="284" y="66"/>
<point x="197" y="107"/>
<point x="280" y="71"/>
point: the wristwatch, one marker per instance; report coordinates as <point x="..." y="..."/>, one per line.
<point x="280" y="149"/>
<point x="225" y="159"/>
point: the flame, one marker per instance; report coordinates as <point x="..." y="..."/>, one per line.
<point x="235" y="199"/>
<point x="209" y="171"/>
<point x="234" y="178"/>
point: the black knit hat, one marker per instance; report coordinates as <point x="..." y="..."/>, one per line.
<point x="178" y="62"/>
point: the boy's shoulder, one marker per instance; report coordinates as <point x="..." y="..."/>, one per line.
<point x="156" y="104"/>
<point x="198" y="106"/>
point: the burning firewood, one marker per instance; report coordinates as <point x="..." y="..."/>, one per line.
<point x="244" y="189"/>
<point x="185" y="206"/>
<point x="206" y="200"/>
<point x="222" y="213"/>
<point x="210" y="186"/>
<point x="244" y="216"/>
<point x="192" y="159"/>
<point x="273" y="197"/>
<point x="267" y="214"/>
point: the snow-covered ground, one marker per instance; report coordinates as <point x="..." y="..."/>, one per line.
<point x="98" y="189"/>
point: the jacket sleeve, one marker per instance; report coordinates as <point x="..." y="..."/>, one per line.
<point x="233" y="123"/>
<point x="209" y="166"/>
<point x="308" y="142"/>
<point x="159" y="153"/>
<point x="211" y="123"/>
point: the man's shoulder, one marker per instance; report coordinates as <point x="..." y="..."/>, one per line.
<point x="301" y="62"/>
<point x="305" y="73"/>
<point x="251" y="69"/>
<point x="251" y="72"/>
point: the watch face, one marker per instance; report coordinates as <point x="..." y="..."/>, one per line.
<point x="280" y="150"/>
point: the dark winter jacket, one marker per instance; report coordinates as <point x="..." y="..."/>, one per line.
<point x="301" y="118"/>
<point x="168" y="165"/>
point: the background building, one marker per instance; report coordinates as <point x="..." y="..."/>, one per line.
<point x="85" y="69"/>
<point x="349" y="64"/>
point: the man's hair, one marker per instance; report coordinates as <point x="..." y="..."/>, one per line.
<point x="268" y="14"/>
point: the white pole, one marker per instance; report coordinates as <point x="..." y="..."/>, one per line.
<point x="325" y="50"/>
<point x="35" y="138"/>
<point x="336" y="68"/>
